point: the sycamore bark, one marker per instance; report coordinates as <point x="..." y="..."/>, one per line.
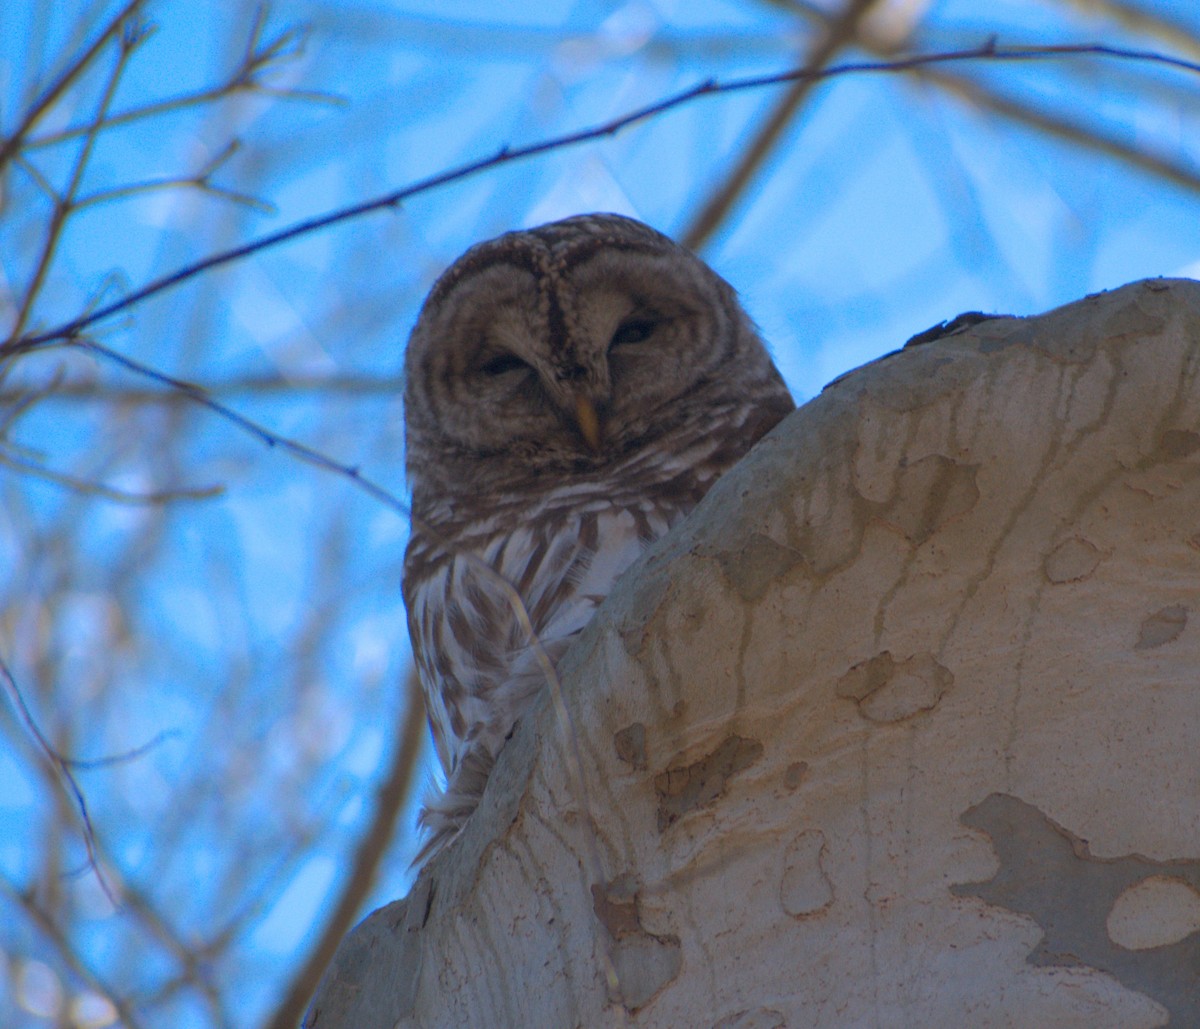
<point x="899" y="729"/>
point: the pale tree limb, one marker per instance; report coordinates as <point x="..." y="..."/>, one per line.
<point x="978" y="95"/>
<point x="842" y="31"/>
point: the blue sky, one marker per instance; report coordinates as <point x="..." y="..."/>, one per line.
<point x="262" y="628"/>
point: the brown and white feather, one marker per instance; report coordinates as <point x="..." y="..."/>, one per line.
<point x="517" y="340"/>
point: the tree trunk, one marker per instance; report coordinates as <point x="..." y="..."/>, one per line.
<point x="901" y="728"/>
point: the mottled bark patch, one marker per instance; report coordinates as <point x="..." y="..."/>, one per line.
<point x="1156" y="912"/>
<point x="1072" y="561"/>
<point x="1178" y="443"/>
<point x="630" y="744"/>
<point x="804" y="888"/>
<point x="1165" y="625"/>
<point x="644" y="962"/>
<point x="794" y="775"/>
<point x="683" y="788"/>
<point x="889" y="691"/>
<point x="757" y="1018"/>
<point x="615" y="905"/>
<point x="930" y="493"/>
<point x="758" y="562"/>
<point x="1049" y="874"/>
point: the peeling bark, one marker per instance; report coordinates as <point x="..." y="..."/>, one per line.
<point x="898" y="729"/>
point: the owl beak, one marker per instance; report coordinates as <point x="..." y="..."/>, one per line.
<point x="588" y="421"/>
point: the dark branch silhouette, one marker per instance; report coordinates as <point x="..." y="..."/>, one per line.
<point x="507" y="155"/>
<point x="62" y="767"/>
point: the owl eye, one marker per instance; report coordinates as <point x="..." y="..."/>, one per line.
<point x="633" y="330"/>
<point x="501" y="364"/>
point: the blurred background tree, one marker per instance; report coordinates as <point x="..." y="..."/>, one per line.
<point x="202" y="637"/>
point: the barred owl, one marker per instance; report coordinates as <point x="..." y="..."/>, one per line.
<point x="571" y="392"/>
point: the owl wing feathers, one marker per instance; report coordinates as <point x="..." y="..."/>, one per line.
<point x="477" y="666"/>
<point x="518" y="347"/>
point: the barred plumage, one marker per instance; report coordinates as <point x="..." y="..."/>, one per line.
<point x="572" y="391"/>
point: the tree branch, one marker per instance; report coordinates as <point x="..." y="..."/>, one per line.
<point x="63" y="769"/>
<point x="64" y="205"/>
<point x="506" y="155"/>
<point x="11" y="146"/>
<point x="1065" y="128"/>
<point x="68" y="952"/>
<point x="840" y="33"/>
<point x="103" y="490"/>
<point x="348" y="384"/>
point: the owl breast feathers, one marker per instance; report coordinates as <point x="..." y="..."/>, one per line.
<point x="572" y="391"/>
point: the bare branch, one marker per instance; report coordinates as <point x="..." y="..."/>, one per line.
<point x="39" y="107"/>
<point x="1066" y="128"/>
<point x="125" y="756"/>
<point x="1173" y="31"/>
<point x="19" y="402"/>
<point x="66" y="949"/>
<point x="190" y="957"/>
<point x="40" y="180"/>
<point x="136" y="189"/>
<point x="106" y="492"/>
<point x="840" y="33"/>
<point x="506" y="155"/>
<point x="202" y="397"/>
<point x="243" y="385"/>
<point x="288" y="45"/>
<point x="201" y="180"/>
<point x="132" y="36"/>
<point x="64" y="772"/>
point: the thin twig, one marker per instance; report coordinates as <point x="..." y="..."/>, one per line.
<point x="17" y="403"/>
<point x="506" y="155"/>
<point x="39" y="180"/>
<point x="242" y="385"/>
<point x="14" y="143"/>
<point x="201" y="396"/>
<point x="71" y="957"/>
<point x="104" y="491"/>
<point x="124" y="757"/>
<point x="1170" y="28"/>
<point x="64" y="770"/>
<point x="132" y="37"/>
<point x="1073" y="131"/>
<point x="201" y="183"/>
<point x="289" y="44"/>
<point x="201" y="179"/>
<point x="192" y="960"/>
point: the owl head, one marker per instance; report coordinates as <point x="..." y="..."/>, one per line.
<point x="563" y="348"/>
